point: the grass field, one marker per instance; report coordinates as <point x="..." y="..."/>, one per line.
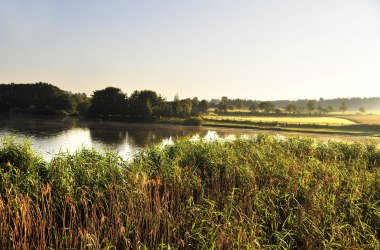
<point x="260" y="193"/>
<point x="290" y="120"/>
<point x="364" y="119"/>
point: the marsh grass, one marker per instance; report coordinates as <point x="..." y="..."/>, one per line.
<point x="263" y="192"/>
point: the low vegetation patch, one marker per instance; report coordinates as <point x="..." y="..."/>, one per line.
<point x="263" y="192"/>
<point x="318" y="120"/>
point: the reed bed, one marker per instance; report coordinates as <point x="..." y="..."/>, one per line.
<point x="258" y="193"/>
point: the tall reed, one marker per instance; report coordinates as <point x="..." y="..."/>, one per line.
<point x="262" y="192"/>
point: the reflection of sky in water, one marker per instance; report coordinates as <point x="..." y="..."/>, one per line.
<point x="50" y="137"/>
<point x="70" y="141"/>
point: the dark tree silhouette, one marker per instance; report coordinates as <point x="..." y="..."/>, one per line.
<point x="145" y="105"/>
<point x="108" y="102"/>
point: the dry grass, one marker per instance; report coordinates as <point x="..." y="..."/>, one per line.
<point x="365" y="119"/>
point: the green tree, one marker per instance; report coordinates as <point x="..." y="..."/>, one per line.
<point x="108" y="102"/>
<point x="267" y="106"/>
<point x="187" y="106"/>
<point x="311" y="105"/>
<point x="239" y="104"/>
<point x="222" y="107"/>
<point x="203" y="106"/>
<point x="343" y="107"/>
<point x="145" y="105"/>
<point x="253" y="107"/>
<point x="330" y="109"/>
<point x="322" y="110"/>
<point x="291" y="108"/>
<point x="362" y="109"/>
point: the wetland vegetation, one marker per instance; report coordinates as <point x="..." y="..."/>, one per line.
<point x="263" y="192"/>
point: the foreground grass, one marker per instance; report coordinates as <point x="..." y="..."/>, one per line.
<point x="254" y="193"/>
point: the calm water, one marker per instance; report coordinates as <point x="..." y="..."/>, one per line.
<point x="50" y="136"/>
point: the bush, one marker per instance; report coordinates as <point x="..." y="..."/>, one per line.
<point x="193" y="121"/>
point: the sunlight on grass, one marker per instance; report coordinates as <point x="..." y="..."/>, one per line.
<point x="263" y="192"/>
<point x="365" y="119"/>
<point x="289" y="120"/>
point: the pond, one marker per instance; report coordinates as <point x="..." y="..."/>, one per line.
<point x="52" y="135"/>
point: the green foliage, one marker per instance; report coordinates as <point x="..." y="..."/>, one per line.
<point x="21" y="168"/>
<point x="343" y="107"/>
<point x="291" y="108"/>
<point x="145" y="105"/>
<point x="266" y="107"/>
<point x="253" y="107"/>
<point x="193" y="121"/>
<point x="39" y="98"/>
<point x="108" y="102"/>
<point x="311" y="105"/>
<point x="264" y="192"/>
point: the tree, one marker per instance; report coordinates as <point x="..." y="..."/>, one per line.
<point x="203" y="106"/>
<point x="182" y="108"/>
<point x="222" y="106"/>
<point x="195" y="111"/>
<point x="311" y="105"/>
<point x="107" y="102"/>
<point x="187" y="106"/>
<point x="64" y="102"/>
<point x="362" y="109"/>
<point x="239" y="104"/>
<point x="291" y="108"/>
<point x="195" y="101"/>
<point x="253" y="107"/>
<point x="177" y="106"/>
<point x="343" y="107"/>
<point x="330" y="109"/>
<point x="266" y="106"/>
<point x="322" y="110"/>
<point x="145" y="105"/>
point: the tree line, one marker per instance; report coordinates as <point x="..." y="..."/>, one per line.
<point x="321" y="106"/>
<point x="145" y="105"/>
<point x="142" y="105"/>
<point x="111" y="102"/>
<point x="40" y="98"/>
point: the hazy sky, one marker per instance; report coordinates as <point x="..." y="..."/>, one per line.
<point x="256" y="49"/>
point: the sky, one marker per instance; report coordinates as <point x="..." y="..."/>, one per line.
<point x="251" y="49"/>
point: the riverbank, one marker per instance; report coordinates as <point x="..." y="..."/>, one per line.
<point x="354" y="129"/>
<point x="357" y="129"/>
<point x="262" y="192"/>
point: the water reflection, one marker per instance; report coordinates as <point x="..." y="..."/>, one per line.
<point x="49" y="136"/>
<point x="36" y="126"/>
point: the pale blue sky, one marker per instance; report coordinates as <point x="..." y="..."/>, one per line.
<point x="272" y="49"/>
